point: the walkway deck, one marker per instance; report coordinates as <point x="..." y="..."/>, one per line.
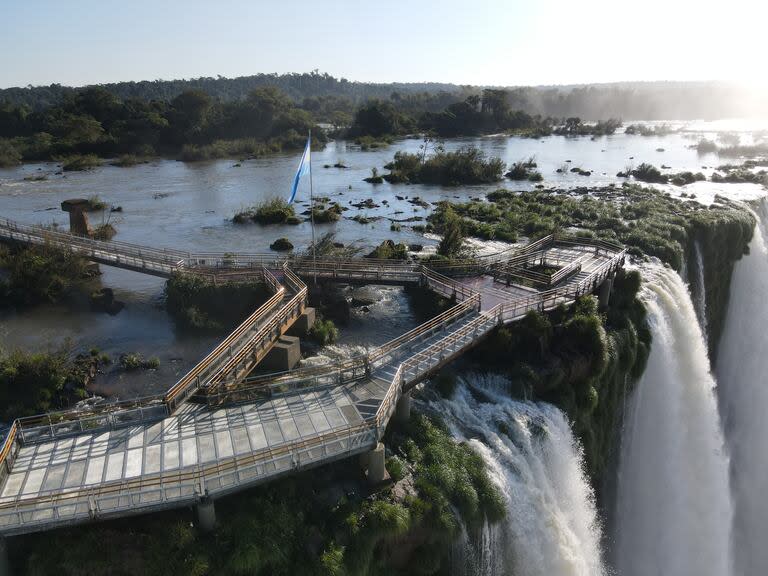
<point x="164" y="452"/>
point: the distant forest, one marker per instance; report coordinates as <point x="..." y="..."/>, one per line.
<point x="626" y="100"/>
<point x="256" y="115"/>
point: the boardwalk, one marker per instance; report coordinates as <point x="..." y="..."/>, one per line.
<point x="216" y="431"/>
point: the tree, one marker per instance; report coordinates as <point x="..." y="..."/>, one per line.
<point x="453" y="234"/>
<point x="377" y="118"/>
<point x="9" y="156"/>
<point x="572" y="125"/>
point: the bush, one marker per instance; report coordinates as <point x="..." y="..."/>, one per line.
<point x="396" y="468"/>
<point x="648" y="173"/>
<point x="135" y="361"/>
<point x="388" y="250"/>
<point x="683" y="178"/>
<point x="80" y="163"/>
<point x="275" y="211"/>
<point x="524" y="170"/>
<point x="323" y="216"/>
<point x="281" y="245"/>
<point x="324" y="332"/>
<point x="132" y="361"/>
<point x="9" y="156"/>
<point x="128" y="160"/>
<point x="467" y="165"/>
<point x="41" y="274"/>
<point x="95" y="203"/>
<point x="196" y="303"/>
<point x="452" y="242"/>
<point x="104" y="232"/>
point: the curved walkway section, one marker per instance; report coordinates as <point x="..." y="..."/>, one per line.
<point x="164" y="452"/>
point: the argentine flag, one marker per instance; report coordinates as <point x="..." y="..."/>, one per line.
<point x="304" y="167"/>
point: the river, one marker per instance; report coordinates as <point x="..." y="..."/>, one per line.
<point x="675" y="499"/>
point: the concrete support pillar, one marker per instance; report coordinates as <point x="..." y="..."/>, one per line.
<point x="78" y="216"/>
<point x="403" y="408"/>
<point x="605" y="292"/>
<point x="284" y="355"/>
<point x="206" y="515"/>
<point x="5" y="567"/>
<point x="377" y="472"/>
<point x="304" y="322"/>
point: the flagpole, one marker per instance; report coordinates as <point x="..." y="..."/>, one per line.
<point x="312" y="212"/>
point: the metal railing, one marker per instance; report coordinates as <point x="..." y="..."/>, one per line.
<point x="184" y="486"/>
<point x="259" y="344"/>
<point x="114" y="252"/>
<point x="216" y="359"/>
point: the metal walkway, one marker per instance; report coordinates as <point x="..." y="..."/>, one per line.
<point x="161" y="452"/>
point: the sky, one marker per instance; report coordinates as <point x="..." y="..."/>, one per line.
<point x="480" y="42"/>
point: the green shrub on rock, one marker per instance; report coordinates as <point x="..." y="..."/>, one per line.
<point x="324" y="332"/>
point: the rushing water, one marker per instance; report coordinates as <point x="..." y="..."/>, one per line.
<point x="674" y="506"/>
<point x="699" y="289"/>
<point x="742" y="365"/>
<point x="552" y="527"/>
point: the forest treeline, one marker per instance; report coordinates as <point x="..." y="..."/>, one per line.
<point x="192" y="126"/>
<point x="135" y="120"/>
<point x="628" y="100"/>
<point x="94" y="123"/>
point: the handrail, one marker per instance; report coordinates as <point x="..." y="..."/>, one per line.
<point x="358" y="436"/>
<point x="170" y="255"/>
<point x="9" y="441"/>
<point x="183" y="388"/>
<point x="290" y="309"/>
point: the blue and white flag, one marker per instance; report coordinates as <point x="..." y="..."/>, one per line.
<point x="304" y="167"/>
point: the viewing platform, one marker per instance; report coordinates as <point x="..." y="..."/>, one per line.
<point x="218" y="430"/>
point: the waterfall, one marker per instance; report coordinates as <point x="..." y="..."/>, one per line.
<point x="700" y="290"/>
<point x="674" y="509"/>
<point x="552" y="526"/>
<point x="742" y="365"/>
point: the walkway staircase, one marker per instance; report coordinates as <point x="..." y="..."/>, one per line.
<point x="167" y="451"/>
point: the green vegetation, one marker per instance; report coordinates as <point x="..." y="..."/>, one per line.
<point x="134" y="361"/>
<point x="36" y="382"/>
<point x="196" y="303"/>
<point x="378" y="118"/>
<point x="580" y="360"/>
<point x="374" y="178"/>
<point x="323" y="215"/>
<point x="128" y="160"/>
<point x="645" y="130"/>
<point x="94" y="123"/>
<point x="40" y="274"/>
<point x="324" y="332"/>
<point x="573" y="126"/>
<point x="104" y="232"/>
<point x="649" y="173"/>
<point x="388" y="250"/>
<point x="95" y="203"/>
<point x="78" y="163"/>
<point x="742" y="174"/>
<point x="524" y="170"/>
<point x="371" y="143"/>
<point x="451" y="227"/>
<point x="684" y="178"/>
<point x="647" y="221"/>
<point x="281" y="245"/>
<point x="318" y="523"/>
<point x="466" y="165"/>
<point x="274" y="211"/>
<point x="239" y="148"/>
<point x="9" y="156"/>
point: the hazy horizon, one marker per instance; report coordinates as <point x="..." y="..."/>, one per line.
<point x="494" y="43"/>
